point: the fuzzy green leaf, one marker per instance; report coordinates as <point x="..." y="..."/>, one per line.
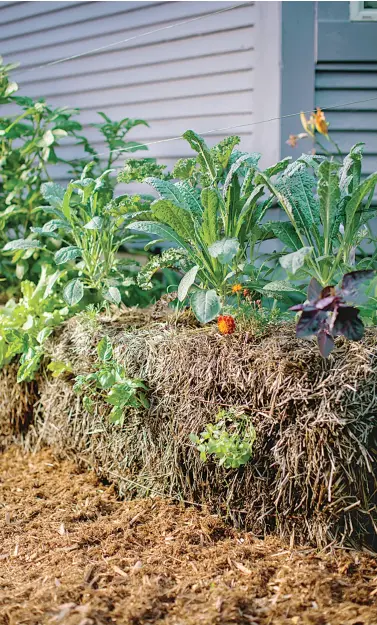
<point x="22" y="244"/>
<point x="224" y="250"/>
<point x="53" y="193"/>
<point x="186" y="282"/>
<point x="73" y="292"/>
<point x="105" y="349"/>
<point x="112" y="295"/>
<point x="294" y="261"/>
<point x="206" y="305"/>
<point x="67" y="253"/>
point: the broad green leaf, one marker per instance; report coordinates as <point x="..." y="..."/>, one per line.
<point x="210" y="201"/>
<point x="94" y="224"/>
<point x="186" y="282"/>
<point x="105" y="349"/>
<point x="298" y="192"/>
<point x="206" y="305"/>
<point x="224" y="250"/>
<point x="112" y="295"/>
<point x="67" y="253"/>
<point x="294" y="261"/>
<point x="281" y="286"/>
<point x="176" y="217"/>
<point x="22" y="244"/>
<point x="29" y="364"/>
<point x="73" y="292"/>
<point x="53" y="193"/>
<point x="57" y="367"/>
<point x="285" y="232"/>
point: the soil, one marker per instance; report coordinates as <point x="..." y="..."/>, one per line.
<point x="72" y="553"/>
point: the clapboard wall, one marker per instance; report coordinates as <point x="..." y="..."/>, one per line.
<point x="199" y="75"/>
<point x="346" y="71"/>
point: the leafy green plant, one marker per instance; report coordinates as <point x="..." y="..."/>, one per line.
<point x="91" y="225"/>
<point x="110" y="383"/>
<point x="26" y="324"/>
<point x="327" y="213"/>
<point x="28" y="142"/>
<point x="212" y="217"/>
<point x="230" y="439"/>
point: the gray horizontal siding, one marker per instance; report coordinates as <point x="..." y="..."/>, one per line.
<point x="199" y="75"/>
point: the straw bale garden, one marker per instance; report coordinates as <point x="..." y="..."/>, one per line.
<point x="188" y="424"/>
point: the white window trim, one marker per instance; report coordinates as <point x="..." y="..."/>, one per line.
<point x="359" y="14"/>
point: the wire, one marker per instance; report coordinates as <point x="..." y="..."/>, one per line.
<point x="117" y="43"/>
<point x="213" y="130"/>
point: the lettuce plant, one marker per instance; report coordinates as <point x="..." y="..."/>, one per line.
<point x="229" y="440"/>
<point x="211" y="216"/>
<point x="26" y="324"/>
<point x="329" y="311"/>
<point x="327" y="215"/>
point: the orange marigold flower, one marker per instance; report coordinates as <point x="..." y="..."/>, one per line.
<point x="236" y="288"/>
<point x="226" y="324"/>
<point x="320" y="122"/>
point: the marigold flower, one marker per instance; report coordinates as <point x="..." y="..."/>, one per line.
<point x="320" y="122"/>
<point x="236" y="288"/>
<point x="226" y="324"/>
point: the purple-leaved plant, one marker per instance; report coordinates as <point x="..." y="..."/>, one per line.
<point x="329" y="311"/>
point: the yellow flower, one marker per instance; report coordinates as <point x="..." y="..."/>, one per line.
<point x="307" y="124"/>
<point x="236" y="288"/>
<point x="320" y="122"/>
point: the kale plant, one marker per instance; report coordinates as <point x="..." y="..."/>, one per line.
<point x="327" y="215"/>
<point x="212" y="216"/>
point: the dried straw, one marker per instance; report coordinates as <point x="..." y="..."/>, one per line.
<point x="313" y="472"/>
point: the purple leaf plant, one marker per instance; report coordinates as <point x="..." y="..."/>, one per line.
<point x="329" y="311"/>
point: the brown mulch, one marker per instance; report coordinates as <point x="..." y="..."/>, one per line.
<point x="71" y="553"/>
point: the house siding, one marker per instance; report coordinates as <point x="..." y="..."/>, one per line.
<point x="198" y="75"/>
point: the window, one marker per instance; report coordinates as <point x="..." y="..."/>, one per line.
<point x="363" y="11"/>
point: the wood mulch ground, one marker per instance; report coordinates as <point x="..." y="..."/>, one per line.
<point x="71" y="553"/>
